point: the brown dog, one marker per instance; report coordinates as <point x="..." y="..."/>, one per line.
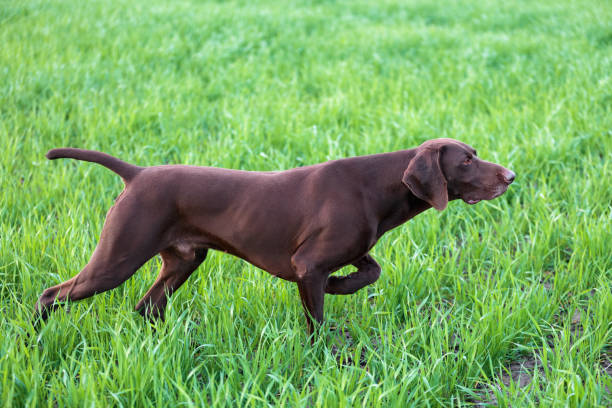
<point x="300" y="225"/>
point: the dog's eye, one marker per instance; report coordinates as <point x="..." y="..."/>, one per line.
<point x="467" y="162"/>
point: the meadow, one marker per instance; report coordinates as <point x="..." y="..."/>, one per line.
<point x="508" y="302"/>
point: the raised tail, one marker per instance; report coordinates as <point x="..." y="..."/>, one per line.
<point x="127" y="171"/>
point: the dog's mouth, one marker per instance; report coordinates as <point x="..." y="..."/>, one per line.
<point x="499" y="191"/>
<point x="489" y="195"/>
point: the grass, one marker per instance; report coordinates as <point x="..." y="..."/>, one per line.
<point x="465" y="295"/>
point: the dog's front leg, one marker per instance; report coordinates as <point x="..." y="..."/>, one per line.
<point x="311" y="280"/>
<point x="323" y="253"/>
<point x="312" y="293"/>
<point x="368" y="271"/>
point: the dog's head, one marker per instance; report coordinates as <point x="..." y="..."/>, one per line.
<point x="444" y="169"/>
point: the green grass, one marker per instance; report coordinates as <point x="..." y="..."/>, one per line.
<point x="464" y="294"/>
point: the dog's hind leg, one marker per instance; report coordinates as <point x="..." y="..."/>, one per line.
<point x="127" y="241"/>
<point x="176" y="269"/>
<point x="98" y="276"/>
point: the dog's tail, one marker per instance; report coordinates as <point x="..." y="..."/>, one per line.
<point x="127" y="171"/>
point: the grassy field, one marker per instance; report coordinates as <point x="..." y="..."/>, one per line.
<point x="507" y="302"/>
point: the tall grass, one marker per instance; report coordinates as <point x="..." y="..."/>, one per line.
<point x="265" y="85"/>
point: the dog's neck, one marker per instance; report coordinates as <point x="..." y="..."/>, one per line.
<point x="394" y="203"/>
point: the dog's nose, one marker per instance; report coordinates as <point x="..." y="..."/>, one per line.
<point x="508" y="176"/>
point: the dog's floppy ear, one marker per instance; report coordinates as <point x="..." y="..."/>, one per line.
<point x="424" y="178"/>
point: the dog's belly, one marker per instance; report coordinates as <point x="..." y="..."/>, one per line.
<point x="274" y="260"/>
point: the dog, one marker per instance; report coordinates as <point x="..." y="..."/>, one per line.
<point x="300" y="225"/>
